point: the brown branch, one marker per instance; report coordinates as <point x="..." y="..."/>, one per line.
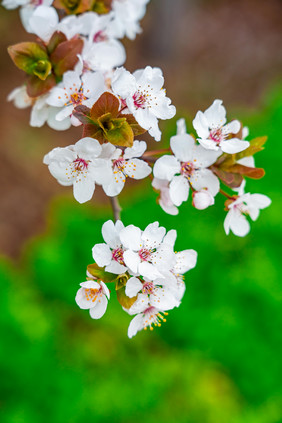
<point x="225" y="194"/>
<point x="116" y="208"/>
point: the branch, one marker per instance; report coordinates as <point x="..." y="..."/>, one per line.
<point x="116" y="208"/>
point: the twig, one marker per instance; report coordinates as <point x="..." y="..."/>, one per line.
<point x="116" y="208"/>
<point x="225" y="194"/>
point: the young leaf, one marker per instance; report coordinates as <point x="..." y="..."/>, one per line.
<point x="136" y="128"/>
<point x="36" y="87"/>
<point x="64" y="57"/>
<point x="251" y="172"/>
<point x="56" y="39"/>
<point x="106" y="103"/>
<point x="99" y="273"/>
<point x="232" y="180"/>
<point x="26" y="55"/>
<point x="82" y="113"/>
<point x="124" y="300"/>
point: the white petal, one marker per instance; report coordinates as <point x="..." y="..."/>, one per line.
<point x="137" y="169"/>
<point x="100" y="308"/>
<point x="110" y="233"/>
<point x="182" y="147"/>
<point x="185" y="260"/>
<point x="163" y="299"/>
<point x="234" y="145"/>
<point x="81" y="300"/>
<point x="149" y="271"/>
<point x="137" y="150"/>
<point x="216" y="114"/>
<point x="201" y="125"/>
<point x="131" y="260"/>
<point x="203" y="157"/>
<point x="181" y="126"/>
<point x="170" y="238"/>
<point x="115" y="267"/>
<point x="153" y="235"/>
<point x="123" y="83"/>
<point x="166" y="167"/>
<point x="83" y="189"/>
<point x="130" y="237"/>
<point x="205" y="178"/>
<point x="179" y="190"/>
<point x="202" y="199"/>
<point x="88" y="147"/>
<point x="133" y="286"/>
<point x="232" y="128"/>
<point x="135" y="325"/>
<point x="102" y="254"/>
<point x="259" y="200"/>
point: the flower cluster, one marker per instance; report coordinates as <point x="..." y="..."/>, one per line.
<point x="221" y="154"/>
<point x="75" y="76"/>
<point x="147" y="273"/>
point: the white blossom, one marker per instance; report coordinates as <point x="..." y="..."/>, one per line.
<point x="93" y="296"/>
<point x="76" y="90"/>
<point x="110" y="253"/>
<point x="202" y="199"/>
<point x="43" y="22"/>
<point x="78" y="165"/>
<point x="145" y="253"/>
<point x="165" y="201"/>
<point x="244" y="205"/>
<point x="147" y="317"/>
<point x="124" y="165"/>
<point x="213" y="132"/>
<point x="126" y="17"/>
<point x="187" y="167"/>
<point x="144" y="97"/>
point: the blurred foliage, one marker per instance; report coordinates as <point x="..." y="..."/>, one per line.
<point x="216" y="360"/>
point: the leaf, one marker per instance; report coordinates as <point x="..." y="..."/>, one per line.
<point x="136" y="128"/>
<point x="106" y="103"/>
<point x="251" y="172"/>
<point x="122" y="136"/>
<point x="124" y="300"/>
<point x="42" y="69"/>
<point x="36" y="87"/>
<point x="56" y="39"/>
<point x="64" y="57"/>
<point x="122" y="281"/>
<point x="82" y="113"/>
<point x="99" y="273"/>
<point x="93" y="131"/>
<point x="256" y="145"/>
<point x="26" y="55"/>
<point x="233" y="180"/>
<point x="73" y="7"/>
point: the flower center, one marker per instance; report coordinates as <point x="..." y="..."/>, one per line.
<point x="119" y="163"/>
<point x="77" y="98"/>
<point x="79" y="165"/>
<point x="217" y="135"/>
<point x="187" y="169"/>
<point x="92" y="294"/>
<point x="100" y="36"/>
<point x="148" y="288"/>
<point x="117" y="255"/>
<point x="144" y="254"/>
<point x="153" y="317"/>
<point x="139" y="100"/>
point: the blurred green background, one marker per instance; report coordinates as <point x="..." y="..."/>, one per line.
<point x="218" y="357"/>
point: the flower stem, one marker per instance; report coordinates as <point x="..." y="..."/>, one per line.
<point x="225" y="194"/>
<point x="156" y="152"/>
<point x="116" y="208"/>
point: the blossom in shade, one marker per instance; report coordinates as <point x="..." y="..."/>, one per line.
<point x="165" y="201"/>
<point x="76" y="90"/>
<point x="126" y="16"/>
<point x="144" y="97"/>
<point x="125" y="164"/>
<point x="43" y="22"/>
<point x="93" y="296"/>
<point x="242" y="206"/>
<point x="187" y="167"/>
<point x="79" y="165"/>
<point x="146" y="253"/>
<point x="214" y="133"/>
<point x="110" y="253"/>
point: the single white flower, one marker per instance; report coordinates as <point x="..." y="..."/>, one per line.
<point x="145" y="253"/>
<point x="156" y="292"/>
<point x="79" y="165"/>
<point x="126" y="16"/>
<point x="125" y="164"/>
<point x="93" y="296"/>
<point x="213" y="131"/>
<point x="244" y="205"/>
<point x="110" y="253"/>
<point x="188" y="166"/>
<point x="27" y="11"/>
<point x="165" y="201"/>
<point x="144" y="97"/>
<point x="76" y="90"/>
<point x="147" y="317"/>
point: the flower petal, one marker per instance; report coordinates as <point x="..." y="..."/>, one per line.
<point x="179" y="190"/>
<point x="133" y="286"/>
<point x="100" y="308"/>
<point x="102" y="254"/>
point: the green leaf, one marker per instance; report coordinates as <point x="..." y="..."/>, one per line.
<point x="124" y="300"/>
<point x="99" y="273"/>
<point x="106" y="103"/>
<point x="42" y="69"/>
<point x="121" y="135"/>
<point x="136" y="128"/>
<point x="26" y="56"/>
<point x="256" y="145"/>
<point x="64" y="57"/>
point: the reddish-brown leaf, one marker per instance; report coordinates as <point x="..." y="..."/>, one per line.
<point x="64" y="57"/>
<point x="36" y="87"/>
<point x="106" y="103"/>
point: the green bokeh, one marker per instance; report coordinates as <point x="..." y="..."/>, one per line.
<point x="216" y="360"/>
